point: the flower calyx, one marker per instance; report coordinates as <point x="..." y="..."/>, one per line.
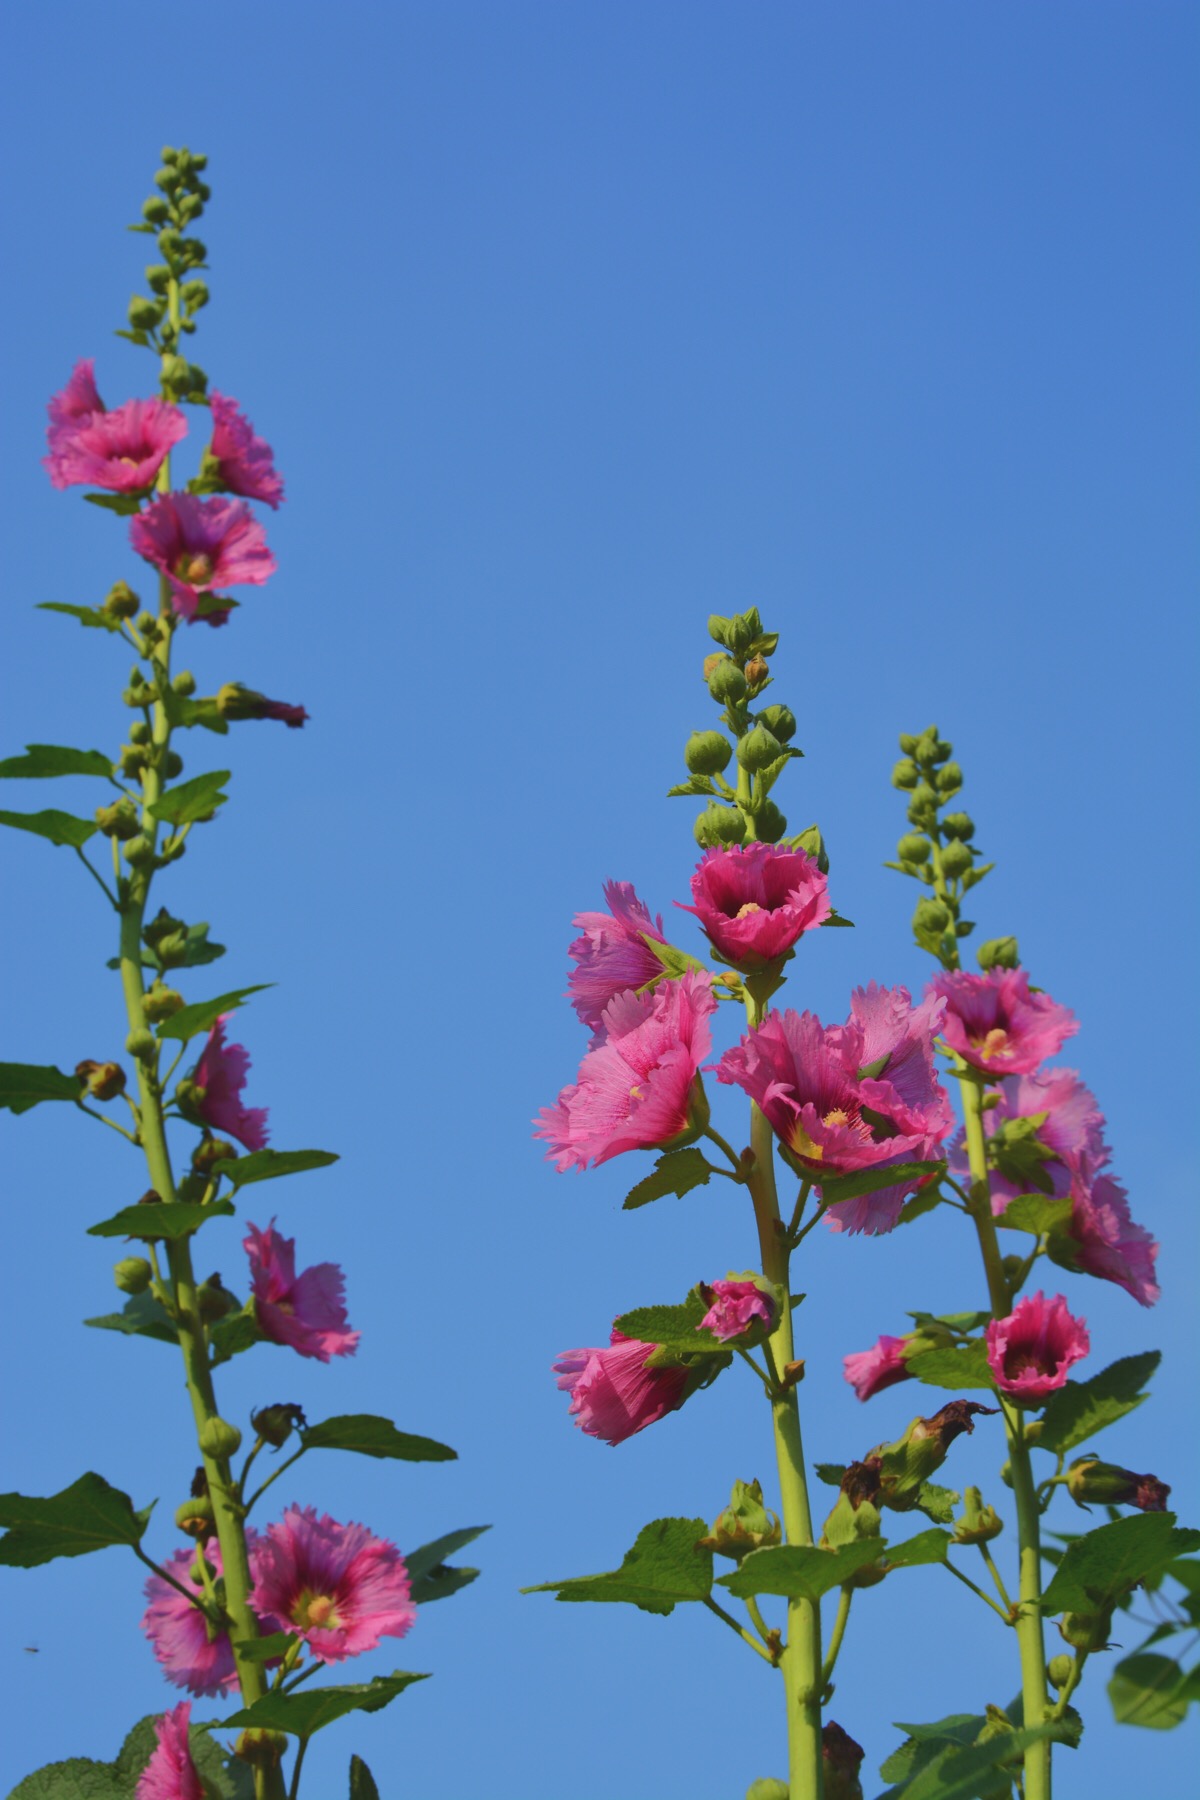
<point x="744" y="1525"/>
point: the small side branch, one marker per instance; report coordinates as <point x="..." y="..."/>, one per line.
<point x="747" y="1637"/>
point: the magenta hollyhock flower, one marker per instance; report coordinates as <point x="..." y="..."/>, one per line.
<point x="307" y="1312"/>
<point x="192" y="1654"/>
<point x="613" y="1393"/>
<point x="201" y="545"/>
<point x="247" y="465"/>
<point x="339" y="1587"/>
<point x="755" y="901"/>
<point x="237" y="702"/>
<point x="1107" y="1242"/>
<point x="636" y="1088"/>
<point x="122" y="450"/>
<point x="1030" y="1352"/>
<point x="221" y="1073"/>
<point x="997" y="1025"/>
<point x="75" y="402"/>
<point x="171" y="1774"/>
<point x="1074" y="1126"/>
<point x="611" y="956"/>
<point x="734" y="1308"/>
<point x="882" y="1366"/>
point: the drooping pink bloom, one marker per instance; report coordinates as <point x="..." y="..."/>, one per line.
<point x="201" y="545"/>
<point x="75" y="402"/>
<point x="613" y="1393"/>
<point x="1074" y="1126"/>
<point x="997" y="1025"/>
<point x="882" y="1366"/>
<point x="735" y="1306"/>
<point x="193" y="1654"/>
<point x="237" y="702"/>
<point x="611" y="956"/>
<point x="307" y="1312"/>
<point x="1030" y="1352"/>
<point x="636" y="1089"/>
<point x="756" y="900"/>
<point x="247" y="465"/>
<point x="338" y="1586"/>
<point x="171" y="1774"/>
<point x="121" y="450"/>
<point x="1107" y="1242"/>
<point x="221" y="1073"/>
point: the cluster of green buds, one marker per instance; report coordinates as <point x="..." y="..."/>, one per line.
<point x="159" y="319"/>
<point x="939" y="851"/>
<point x="760" y="740"/>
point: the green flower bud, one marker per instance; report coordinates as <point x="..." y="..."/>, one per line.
<point x="214" y="1300"/>
<point x="139" y="852"/>
<point x="928" y="745"/>
<point x="780" y="720"/>
<point x="979" y="1523"/>
<point x="184" y="684"/>
<point x="120" y="602"/>
<point x="132" y="1274"/>
<point x="767" y="1788"/>
<point x="958" y="825"/>
<point x="155" y="210"/>
<point x="143" y="314"/>
<point x="924" y="800"/>
<point x="941" y="751"/>
<point x="1013" y="1266"/>
<point x="132" y="760"/>
<point x="160" y="1003"/>
<point x="168" y="179"/>
<point x="103" y="1080"/>
<point x="915" y="1457"/>
<point x="744" y="1525"/>
<point x="1058" y="1670"/>
<point x="908" y="742"/>
<point x="195" y="1518"/>
<point x="119" y="820"/>
<point x="1106" y="1484"/>
<point x="172" y="765"/>
<point x="931" y="915"/>
<point x="726" y="683"/>
<point x="769" y="823"/>
<point x="275" y="1424"/>
<point x="140" y="732"/>
<point x="956" y="858"/>
<point x="906" y="773"/>
<point x="707" y="752"/>
<point x="998" y="953"/>
<point x="218" y="1439"/>
<point x="719" y="825"/>
<point x="194" y="294"/>
<point x="741" y="631"/>
<point x="756" y="672"/>
<point x="949" y="779"/>
<point x="913" y="848"/>
<point x="142" y="1044"/>
<point x="1086" y="1631"/>
<point x="758" y="749"/>
<point x="194" y="250"/>
<point x="211" y="1150"/>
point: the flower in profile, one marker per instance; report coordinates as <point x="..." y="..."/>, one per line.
<point x="1092" y="1482"/>
<point x="1107" y="1243"/>
<point x="74" y="403"/>
<point x="611" y="955"/>
<point x="882" y="1366"/>
<point x="201" y="545"/>
<point x="171" y="1774"/>
<point x="997" y="1025"/>
<point x="245" y="464"/>
<point x="307" y="1312"/>
<point x="121" y="450"/>
<point x="193" y="1653"/>
<point x="1031" y="1351"/>
<point x="237" y="702"/>
<point x="756" y="900"/>
<point x="219" y="1078"/>
<point x="734" y="1307"/>
<point x="613" y="1393"/>
<point x="338" y="1586"/>
<point x="1072" y="1126"/>
<point x="638" y="1089"/>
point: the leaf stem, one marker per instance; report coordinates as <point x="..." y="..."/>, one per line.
<point x="273" y="1476"/>
<point x="994" y="1572"/>
<point x="202" y="1606"/>
<point x="301" y="1748"/>
<point x="1072" y="1682"/>
<point x="975" y="1589"/>
<point x="761" y="1373"/>
<point x="839" y="1632"/>
<point x="747" y="1637"/>
<point x="97" y="877"/>
<point x="104" y="1120"/>
<point x="721" y="1144"/>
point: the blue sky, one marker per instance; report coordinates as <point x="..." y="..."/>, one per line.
<point x="570" y="325"/>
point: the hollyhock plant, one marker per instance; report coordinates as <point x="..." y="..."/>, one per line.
<point x="639" y="1088"/>
<point x="1107" y="1242"/>
<point x="882" y="1366"/>
<point x="219" y="1078"/>
<point x="1031" y="1352"/>
<point x="338" y="1587"/>
<point x="734" y="1308"/>
<point x="611" y="956"/>
<point x="997" y="1025"/>
<point x="755" y="901"/>
<point x="1073" y="1126"/>
<point x="613" y="1394"/>
<point x="245" y="462"/>
<point x="193" y="1654"/>
<point x="121" y="450"/>
<point x="306" y="1312"/>
<point x="171" y="1774"/>
<point x="200" y="545"/>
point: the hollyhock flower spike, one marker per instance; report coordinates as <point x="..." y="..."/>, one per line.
<point x="882" y="1366"/>
<point x="192" y="1655"/>
<point x="221" y="1075"/>
<point x="245" y="463"/>
<point x="996" y="1025"/>
<point x="307" y="1312"/>
<point x="613" y="1393"/>
<point x="121" y="450"/>
<point x="1074" y="1127"/>
<point x="1107" y="1242"/>
<point x="755" y="901"/>
<point x="1031" y="1352"/>
<point x="201" y="545"/>
<point x="734" y="1308"/>
<point x="171" y="1774"/>
<point x="338" y="1586"/>
<point x="611" y="955"/>
<point x="638" y="1089"/>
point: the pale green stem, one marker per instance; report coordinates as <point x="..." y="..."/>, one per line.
<point x="976" y="1589"/>
<point x="97" y="877"/>
<point x="839" y="1632"/>
<point x="764" y="1631"/>
<point x="994" y="1572"/>
<point x="747" y="1637"/>
<point x="1072" y="1682"/>
<point x="274" y="1476"/>
<point x="301" y="1748"/>
<point x="719" y="1141"/>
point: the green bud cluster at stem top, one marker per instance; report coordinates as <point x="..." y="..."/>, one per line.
<point x="160" y="319"/>
<point x="939" y="850"/>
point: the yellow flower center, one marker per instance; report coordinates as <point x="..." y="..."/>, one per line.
<point x="194" y="567"/>
<point x="315" y="1610"/>
<point x="994" y="1044"/>
<point x="744" y="912"/>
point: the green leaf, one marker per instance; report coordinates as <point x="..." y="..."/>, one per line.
<point x="90" y="616"/>
<point x="830" y="1473"/>
<point x="124" y="504"/>
<point x="79" y="1778"/>
<point x="362" y="1782"/>
<point x="953" y="1368"/>
<point x="870" y="1181"/>
<point x="43" y="760"/>
<point x="925" y="1547"/>
<point x="676" y="1172"/>
<point x="1149" y="1690"/>
<point x="370" y="1435"/>
<point x="673" y="1328"/>
<point x="236" y="1332"/>
<point x="191" y="799"/>
<point x="957" y="1728"/>
<point x="57" y="827"/>
<point x="306" y="1712"/>
<point x="266" y="1165"/>
<point x="957" y="1773"/>
<point x="189" y="1021"/>
<point x="89" y="1515"/>
<point x="674" y="962"/>
<point x="432" y="1578"/>
<point x="263" y="1649"/>
<point x="835" y="918"/>
<point x="197" y="950"/>
<point x="1036" y="1214"/>
<point x="665" y="1567"/>
<point x="23" y="1085"/>
<point x="937" y="1503"/>
<point x="142" y="1316"/>
<point x="920" y="1203"/>
<point x="1102" y="1565"/>
<point x="1082" y="1408"/>
<point x="695" y="784"/>
<point x="801" y="1571"/>
<point x="169" y="1222"/>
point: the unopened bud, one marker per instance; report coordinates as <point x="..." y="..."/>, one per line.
<point x="275" y="1424"/>
<point x="212" y="1150"/>
<point x="155" y="210"/>
<point x="214" y="1301"/>
<point x="756" y="671"/>
<point x="707" y="752"/>
<point x="718" y="825"/>
<point x="769" y="823"/>
<point x="744" y="1525"/>
<point x="906" y="773"/>
<point x="160" y="1003"/>
<point x="913" y="848"/>
<point x="184" y="684"/>
<point x="143" y="314"/>
<point x="172" y="764"/>
<point x="1058" y="1670"/>
<point x="718" y="628"/>
<point x="767" y="1788"/>
<point x="218" y="1439"/>
<point x="931" y="915"/>
<point x="779" y="719"/>
<point x="104" y="1080"/>
<point x="261" y="1748"/>
<point x="1106" y="1484"/>
<point x="998" y="953"/>
<point x="726" y="683"/>
<point x="119" y="820"/>
<point x="139" y="852"/>
<point x="133" y="760"/>
<point x="759" y="749"/>
<point x="949" y="778"/>
<point x="1013" y="1266"/>
<point x="923" y="801"/>
<point x="142" y="1044"/>
<point x="1086" y="1631"/>
<point x="140" y="732"/>
<point x="132" y="1274"/>
<point x="956" y="859"/>
<point x="979" y="1523"/>
<point x="958" y="825"/>
<point x="195" y="1518"/>
<point x="908" y="742"/>
<point x="120" y="602"/>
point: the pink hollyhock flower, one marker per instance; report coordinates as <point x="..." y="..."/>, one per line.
<point x="307" y="1312"/>
<point x="171" y="1774"/>
<point x="75" y="402"/>
<point x="756" y="900"/>
<point x="613" y="1394"/>
<point x="637" y="1089"/>
<point x="1074" y="1125"/>
<point x="997" y="1025"/>
<point x="221" y="1073"/>
<point x="246" y="464"/>
<point x="734" y="1307"/>
<point x="1030" y="1352"/>
<point x="192" y="1655"/>
<point x="122" y="450"/>
<point x="200" y="545"/>
<point x="337" y="1586"/>
<point x="870" y="1371"/>
<point x="611" y="956"/>
<point x="237" y="702"/>
<point x="1107" y="1242"/>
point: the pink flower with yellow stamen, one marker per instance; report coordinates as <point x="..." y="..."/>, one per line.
<point x="997" y="1025"/>
<point x="201" y="545"/>
<point x="338" y="1587"/>
<point x="755" y="901"/>
<point x="121" y="450"/>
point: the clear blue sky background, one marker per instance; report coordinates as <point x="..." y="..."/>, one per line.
<point x="570" y="324"/>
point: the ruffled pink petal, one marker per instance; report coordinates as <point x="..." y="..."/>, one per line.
<point x="171" y="1774"/>
<point x="1031" y="1351"/>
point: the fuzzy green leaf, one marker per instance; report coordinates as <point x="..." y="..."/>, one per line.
<point x="674" y="962"/>
<point x="830" y="1473"/>
<point x="1149" y="1690"/>
<point x="801" y="1571"/>
<point x="303" y="1713"/>
<point x="58" y="828"/>
<point x="1082" y="1408"/>
<point x="676" y="1172"/>
<point x="665" y="1567"/>
<point x="192" y="799"/>
<point x="23" y="1085"/>
<point x="431" y="1576"/>
<point x="236" y="1332"/>
<point x="123" y="504"/>
<point x="926" y="1547"/>
<point x="957" y="1773"/>
<point x="673" y="1328"/>
<point x="41" y="761"/>
<point x="1100" y="1567"/>
<point x="88" y="1515"/>
<point x="177" y="1220"/>
<point x="262" y="1649"/>
<point x="937" y="1503"/>
<point x="870" y="1181"/>
<point x="953" y="1368"/>
<point x="362" y="1782"/>
<point x="79" y="1778"/>
<point x="369" y="1435"/>
<point x="1036" y="1213"/>
<point x="266" y="1165"/>
<point x="189" y="1021"/>
<point x="142" y="1316"/>
<point x="90" y="616"/>
<point x="694" y="785"/>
